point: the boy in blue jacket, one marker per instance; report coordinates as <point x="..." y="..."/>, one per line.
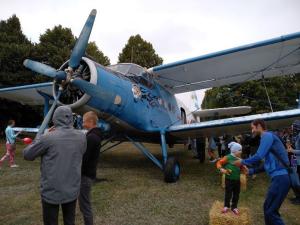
<point x="280" y="183"/>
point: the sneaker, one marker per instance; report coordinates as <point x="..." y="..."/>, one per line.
<point x="14" y="166"/>
<point x="236" y="211"/>
<point x="225" y="210"/>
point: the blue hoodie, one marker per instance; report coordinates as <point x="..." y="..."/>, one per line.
<point x="10" y="135"/>
<point x="272" y="165"/>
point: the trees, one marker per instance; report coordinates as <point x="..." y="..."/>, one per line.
<point x="140" y="52"/>
<point x="54" y="49"/>
<point x="283" y="92"/>
<point x="93" y="51"/>
<point x="55" y="46"/>
<point x="14" y="48"/>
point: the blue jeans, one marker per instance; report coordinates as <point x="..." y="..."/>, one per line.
<point x="277" y="192"/>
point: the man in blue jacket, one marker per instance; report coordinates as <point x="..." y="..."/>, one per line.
<point x="280" y="181"/>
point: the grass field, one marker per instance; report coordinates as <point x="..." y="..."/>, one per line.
<point x="135" y="192"/>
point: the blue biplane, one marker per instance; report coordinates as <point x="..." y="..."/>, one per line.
<point x="139" y="104"/>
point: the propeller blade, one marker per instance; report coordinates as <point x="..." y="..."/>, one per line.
<point x="40" y="68"/>
<point x="44" y="69"/>
<point x="92" y="89"/>
<point x="48" y="116"/>
<point x="82" y="42"/>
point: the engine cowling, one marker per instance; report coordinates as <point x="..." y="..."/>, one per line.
<point x="71" y="95"/>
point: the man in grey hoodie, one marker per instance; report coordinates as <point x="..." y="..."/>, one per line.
<point x="61" y="151"/>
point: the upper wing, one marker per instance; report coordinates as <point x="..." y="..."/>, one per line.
<point x="28" y="94"/>
<point x="274" y="57"/>
<point x="230" y="111"/>
<point x="237" y="125"/>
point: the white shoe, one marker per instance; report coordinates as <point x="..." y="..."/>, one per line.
<point x="225" y="210"/>
<point x="14" y="166"/>
<point x="236" y="211"/>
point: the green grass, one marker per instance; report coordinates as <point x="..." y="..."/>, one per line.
<point x="135" y="192"/>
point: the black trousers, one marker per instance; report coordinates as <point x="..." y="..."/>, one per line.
<point x="297" y="192"/>
<point x="232" y="193"/>
<point x="84" y="200"/>
<point x="50" y="213"/>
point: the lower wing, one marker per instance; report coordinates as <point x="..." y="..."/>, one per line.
<point x="237" y="125"/>
<point x="28" y="94"/>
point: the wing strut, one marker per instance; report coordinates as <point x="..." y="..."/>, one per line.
<point x="269" y="100"/>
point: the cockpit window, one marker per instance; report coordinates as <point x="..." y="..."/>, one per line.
<point x="128" y="69"/>
<point x="134" y="72"/>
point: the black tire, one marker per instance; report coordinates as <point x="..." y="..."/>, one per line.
<point x="200" y="147"/>
<point x="172" y="170"/>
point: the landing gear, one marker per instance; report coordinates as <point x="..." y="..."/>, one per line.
<point x="172" y="170"/>
<point x="169" y="165"/>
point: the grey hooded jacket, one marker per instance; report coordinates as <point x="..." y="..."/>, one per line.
<point x="61" y="154"/>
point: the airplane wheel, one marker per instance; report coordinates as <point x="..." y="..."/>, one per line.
<point x="200" y="147"/>
<point x="172" y="170"/>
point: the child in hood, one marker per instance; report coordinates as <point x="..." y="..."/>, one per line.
<point x="232" y="177"/>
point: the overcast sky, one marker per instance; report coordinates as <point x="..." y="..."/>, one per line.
<point x="177" y="29"/>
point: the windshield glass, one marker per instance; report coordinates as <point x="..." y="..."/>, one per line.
<point x="128" y="69"/>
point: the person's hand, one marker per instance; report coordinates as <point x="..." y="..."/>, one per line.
<point x="246" y="170"/>
<point x="238" y="163"/>
<point x="20" y="132"/>
<point x="224" y="171"/>
<point x="51" y="129"/>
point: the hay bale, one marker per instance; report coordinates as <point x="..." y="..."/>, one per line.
<point x="218" y="218"/>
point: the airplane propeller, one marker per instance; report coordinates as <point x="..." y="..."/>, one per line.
<point x="44" y="69"/>
<point x="82" y="42"/>
<point x="48" y="116"/>
<point x="76" y="55"/>
<point x="63" y="77"/>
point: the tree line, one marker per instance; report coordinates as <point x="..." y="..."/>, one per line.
<point x="282" y="91"/>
